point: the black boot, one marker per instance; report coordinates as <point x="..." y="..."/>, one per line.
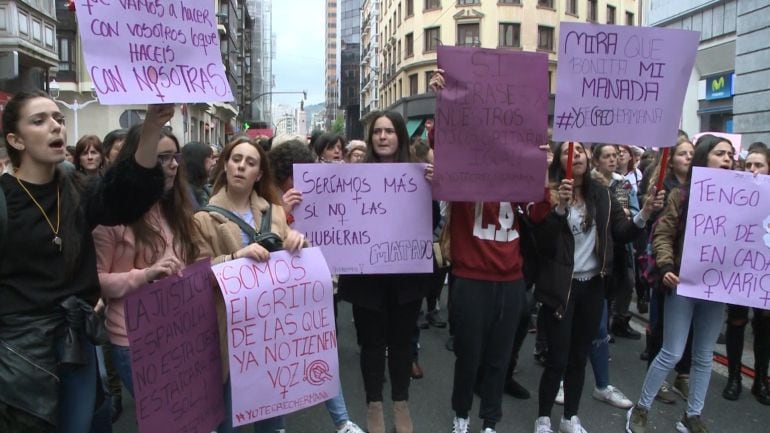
<point x="761" y="389"/>
<point x="622" y="328"/>
<point x="734" y="342"/>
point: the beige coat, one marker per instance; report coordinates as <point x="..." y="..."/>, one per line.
<point x="218" y="237"/>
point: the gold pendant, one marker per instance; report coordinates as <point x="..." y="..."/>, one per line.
<point x="57" y="241"/>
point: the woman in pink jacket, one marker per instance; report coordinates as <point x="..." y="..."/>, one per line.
<point x="156" y="246"/>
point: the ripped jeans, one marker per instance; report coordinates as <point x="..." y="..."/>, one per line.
<point x="600" y="353"/>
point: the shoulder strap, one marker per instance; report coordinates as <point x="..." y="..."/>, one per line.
<point x="267" y="220"/>
<point x="244" y="226"/>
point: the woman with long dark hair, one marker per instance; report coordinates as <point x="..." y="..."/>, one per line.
<point x="576" y="242"/>
<point x="243" y="185"/>
<point x="681" y="312"/>
<point x="48" y="278"/>
<point x="757" y="162"/>
<point x="198" y="161"/>
<point x="157" y="245"/>
<point x="385" y="307"/>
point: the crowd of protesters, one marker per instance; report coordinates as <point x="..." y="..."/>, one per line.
<point x="84" y="226"/>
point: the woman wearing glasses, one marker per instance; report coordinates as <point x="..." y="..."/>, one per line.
<point x="157" y="245"/>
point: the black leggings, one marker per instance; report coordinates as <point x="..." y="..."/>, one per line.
<point x="569" y="343"/>
<point x="392" y="328"/>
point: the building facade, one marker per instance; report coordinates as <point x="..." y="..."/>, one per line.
<point x="370" y="53"/>
<point x="729" y="89"/>
<point x="410" y="31"/>
<point x="262" y="56"/>
<point x="331" y="83"/>
<point x="27" y="45"/>
<point x="350" y="66"/>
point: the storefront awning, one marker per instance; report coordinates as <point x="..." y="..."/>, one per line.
<point x="412" y="125"/>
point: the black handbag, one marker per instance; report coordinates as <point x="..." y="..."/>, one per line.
<point x="265" y="238"/>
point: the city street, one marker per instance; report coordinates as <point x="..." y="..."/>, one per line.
<point x="430" y="396"/>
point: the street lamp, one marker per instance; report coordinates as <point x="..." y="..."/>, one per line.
<point x="75" y="106"/>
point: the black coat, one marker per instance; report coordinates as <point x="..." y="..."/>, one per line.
<point x="556" y="246"/>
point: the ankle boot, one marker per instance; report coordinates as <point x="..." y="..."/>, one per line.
<point x="734" y="346"/>
<point x="401" y="418"/>
<point x="761" y="389"/>
<point x="375" y="420"/>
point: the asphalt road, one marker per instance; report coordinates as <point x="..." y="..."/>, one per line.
<point x="430" y="396"/>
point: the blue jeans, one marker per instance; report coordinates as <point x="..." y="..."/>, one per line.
<point x="121" y="359"/>
<point x="706" y="318"/>
<point x="337" y="409"/>
<point x="270" y="425"/>
<point x="77" y="392"/>
<point x="600" y="353"/>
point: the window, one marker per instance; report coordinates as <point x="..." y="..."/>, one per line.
<point x="509" y="2"/>
<point x="398" y="53"/>
<point x="432" y="4"/>
<point x="409" y="8"/>
<point x="592" y="10"/>
<point x="610" y="14"/>
<point x="409" y="45"/>
<point x="468" y="2"/>
<point x="399" y="13"/>
<point x="545" y="3"/>
<point x="572" y="7"/>
<point x="66" y="57"/>
<point x="629" y="18"/>
<point x="427" y="81"/>
<point x="432" y="38"/>
<point x="468" y="35"/>
<point x="413" y="90"/>
<point x="545" y="38"/>
<point x="510" y="35"/>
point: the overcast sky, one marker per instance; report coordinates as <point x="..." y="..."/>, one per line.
<point x="299" y="61"/>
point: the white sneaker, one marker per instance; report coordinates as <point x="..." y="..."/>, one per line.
<point x="460" y="425"/>
<point x="350" y="427"/>
<point x="488" y="430"/>
<point x="571" y="425"/>
<point x="613" y="396"/>
<point x="560" y="394"/>
<point x="543" y="425"/>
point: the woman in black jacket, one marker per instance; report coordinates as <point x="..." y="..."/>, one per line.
<point x="576" y="244"/>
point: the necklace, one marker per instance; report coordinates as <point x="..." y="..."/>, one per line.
<point x="56" y="239"/>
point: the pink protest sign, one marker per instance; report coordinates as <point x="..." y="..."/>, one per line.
<point x="281" y="336"/>
<point x="621" y="84"/>
<point x="175" y="361"/>
<point x="153" y="51"/>
<point x="735" y="139"/>
<point x="490" y="119"/>
<point x="727" y="241"/>
<point x="367" y="218"/>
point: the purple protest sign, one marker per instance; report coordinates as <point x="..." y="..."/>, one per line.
<point x="281" y="336"/>
<point x="490" y="119"/>
<point x="141" y="52"/>
<point x="175" y="361"/>
<point x="621" y="84"/>
<point x="367" y="218"/>
<point x="727" y="240"/>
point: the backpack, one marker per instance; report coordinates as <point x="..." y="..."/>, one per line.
<point x="648" y="267"/>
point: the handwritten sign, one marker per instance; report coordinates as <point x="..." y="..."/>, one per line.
<point x="281" y="336"/>
<point x="367" y="218"/>
<point x="490" y="119"/>
<point x="727" y="241"/>
<point x="621" y="84"/>
<point x="175" y="361"/>
<point x="735" y="139"/>
<point x="153" y="51"/>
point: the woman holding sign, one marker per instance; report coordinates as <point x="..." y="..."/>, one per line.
<point x="157" y="245"/>
<point x="244" y="194"/>
<point x="680" y="312"/>
<point x="757" y="162"/>
<point x="49" y="282"/>
<point x="385" y="307"/>
<point x="576" y="242"/>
